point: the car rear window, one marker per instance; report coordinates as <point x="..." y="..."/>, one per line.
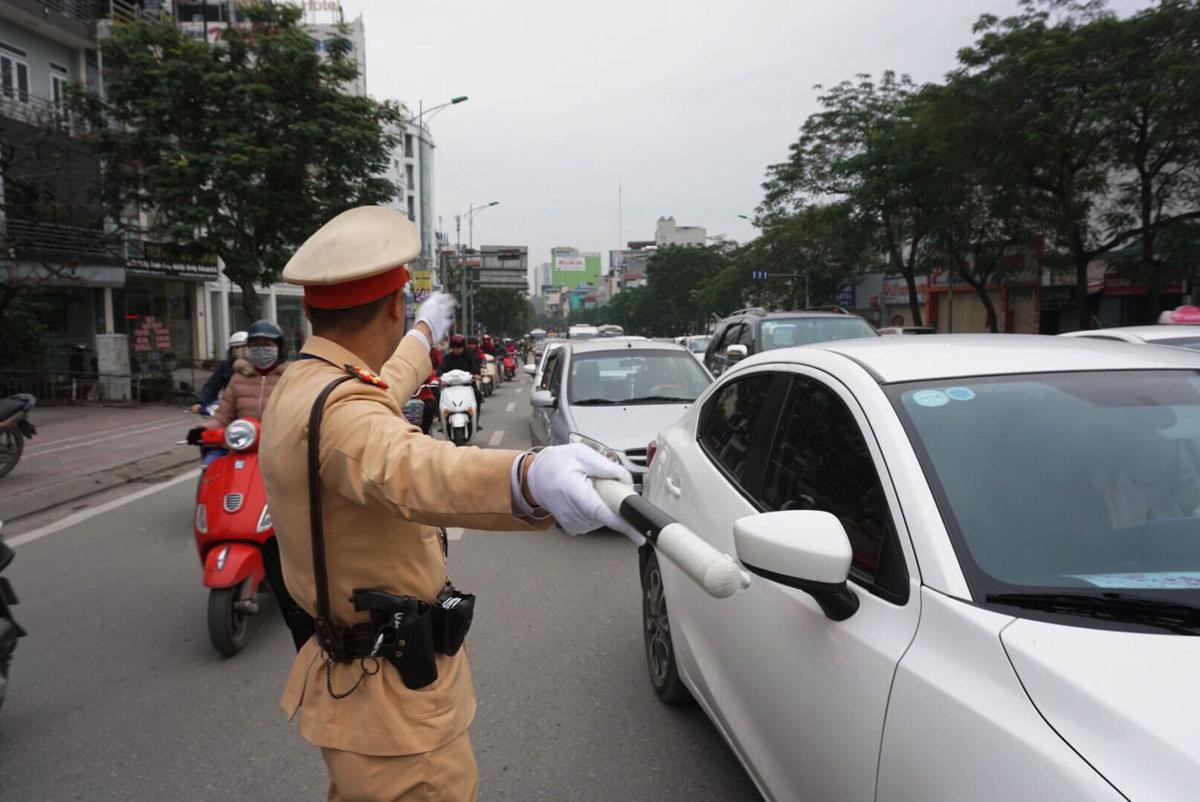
<point x="786" y="332"/>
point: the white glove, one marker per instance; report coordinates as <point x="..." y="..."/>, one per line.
<point x="559" y="482"/>
<point x="437" y="312"/>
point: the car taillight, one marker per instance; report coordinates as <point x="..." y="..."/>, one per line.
<point x="651" y="450"/>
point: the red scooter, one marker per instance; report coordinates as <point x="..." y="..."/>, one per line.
<point x="509" y="366"/>
<point x="234" y="534"/>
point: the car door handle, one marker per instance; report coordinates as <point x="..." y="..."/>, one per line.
<point x="673" y="486"/>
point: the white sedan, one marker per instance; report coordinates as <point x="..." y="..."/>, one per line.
<point x="975" y="569"/>
<point x="1178" y="336"/>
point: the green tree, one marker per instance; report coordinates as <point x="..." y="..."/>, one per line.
<point x="501" y="312"/>
<point x="863" y="150"/>
<point x="242" y="148"/>
<point x="675" y="276"/>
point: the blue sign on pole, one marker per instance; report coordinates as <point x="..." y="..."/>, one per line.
<point x="845" y="296"/>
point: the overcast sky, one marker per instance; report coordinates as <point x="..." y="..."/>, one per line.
<point x="684" y="104"/>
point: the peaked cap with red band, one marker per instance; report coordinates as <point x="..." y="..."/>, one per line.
<point x="357" y="257"/>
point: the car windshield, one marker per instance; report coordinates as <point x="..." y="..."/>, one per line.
<point x="1080" y="482"/>
<point x="1191" y="343"/>
<point x="634" y="376"/>
<point x="785" y="332"/>
<point x="698" y="345"/>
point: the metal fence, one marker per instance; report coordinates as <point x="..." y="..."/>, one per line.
<point x="175" y="383"/>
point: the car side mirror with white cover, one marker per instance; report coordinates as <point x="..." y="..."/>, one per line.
<point x="803" y="549"/>
<point x="531" y="368"/>
<point x="736" y="353"/>
<point x="542" y="398"/>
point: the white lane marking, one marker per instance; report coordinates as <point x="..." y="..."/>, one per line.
<point x="83" y="515"/>
<point x="496" y="437"/>
<point x="519" y="389"/>
<point x="47" y="443"/>
<point x="511" y="406"/>
<point x="98" y="440"/>
<point x="454" y="533"/>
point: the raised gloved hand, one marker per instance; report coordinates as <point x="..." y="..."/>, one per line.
<point x="559" y="482"/>
<point x="437" y="312"/>
<point x="193" y="435"/>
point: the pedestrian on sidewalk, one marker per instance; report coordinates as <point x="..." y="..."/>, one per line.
<point x="387" y="694"/>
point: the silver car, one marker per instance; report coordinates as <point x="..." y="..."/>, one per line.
<point x="614" y="396"/>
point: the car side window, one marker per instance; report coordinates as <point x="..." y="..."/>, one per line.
<point x="729" y="419"/>
<point x="556" y="376"/>
<point x="718" y="343"/>
<point x="745" y="336"/>
<point x="820" y="461"/>
<point x="548" y="371"/>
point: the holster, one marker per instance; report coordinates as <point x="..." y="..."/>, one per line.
<point x="403" y="630"/>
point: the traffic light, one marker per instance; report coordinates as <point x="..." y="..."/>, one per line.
<point x="758" y="275"/>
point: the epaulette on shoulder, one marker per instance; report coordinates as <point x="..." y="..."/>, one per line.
<point x="365" y="376"/>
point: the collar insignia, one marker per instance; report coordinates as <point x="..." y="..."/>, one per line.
<point x="365" y="376"/>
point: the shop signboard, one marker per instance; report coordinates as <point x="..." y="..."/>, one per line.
<point x="895" y="290"/>
<point x="151" y="335"/>
<point x="844" y="297"/>
<point x="422" y="284"/>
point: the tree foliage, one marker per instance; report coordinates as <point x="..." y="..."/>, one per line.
<point x="501" y="312"/>
<point x="242" y="148"/>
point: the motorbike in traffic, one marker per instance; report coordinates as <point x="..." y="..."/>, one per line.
<point x="10" y="630"/>
<point x="489" y="377"/>
<point x="234" y="534"/>
<point x="419" y="409"/>
<point x="509" y="366"/>
<point x="15" y="429"/>
<point x="456" y="407"/>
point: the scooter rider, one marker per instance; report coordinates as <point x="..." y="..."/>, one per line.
<point x="254" y="379"/>
<point x="460" y="357"/>
<point x="217" y="382"/>
<point x="368" y="541"/>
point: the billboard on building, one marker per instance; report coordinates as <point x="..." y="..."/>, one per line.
<point x="570" y="264"/>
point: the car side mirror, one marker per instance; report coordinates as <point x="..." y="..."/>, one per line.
<point x="542" y="398"/>
<point x="531" y="368"/>
<point x="803" y="549"/>
<point x="736" y="353"/>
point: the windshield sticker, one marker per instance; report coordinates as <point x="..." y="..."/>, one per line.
<point x="931" y="398"/>
<point x="1165" y="580"/>
<point x="960" y="393"/>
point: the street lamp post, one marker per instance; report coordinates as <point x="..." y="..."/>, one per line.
<point x="420" y="124"/>
<point x="468" y="299"/>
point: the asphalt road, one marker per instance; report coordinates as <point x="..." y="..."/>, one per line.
<point x="117" y="693"/>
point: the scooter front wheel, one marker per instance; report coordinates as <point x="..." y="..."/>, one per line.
<point x="12" y="443"/>
<point x="227" y="626"/>
<point x="459" y="435"/>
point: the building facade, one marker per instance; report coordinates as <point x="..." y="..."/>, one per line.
<point x="666" y="232"/>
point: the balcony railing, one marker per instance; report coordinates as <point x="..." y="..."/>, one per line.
<point x="39" y="111"/>
<point x="35" y="237"/>
<point x="82" y="10"/>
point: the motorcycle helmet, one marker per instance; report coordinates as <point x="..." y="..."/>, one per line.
<point x="238" y="339"/>
<point x="265" y="329"/>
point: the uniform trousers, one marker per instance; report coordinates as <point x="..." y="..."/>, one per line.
<point x="447" y="774"/>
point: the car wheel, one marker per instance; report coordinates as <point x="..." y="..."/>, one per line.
<point x="656" y="629"/>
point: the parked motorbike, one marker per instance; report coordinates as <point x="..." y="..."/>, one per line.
<point x="234" y="534"/>
<point x="10" y="630"/>
<point x="415" y="408"/>
<point x="15" y="429"/>
<point x="456" y="406"/>
<point x="489" y="377"/>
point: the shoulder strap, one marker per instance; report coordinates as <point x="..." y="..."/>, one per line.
<point x="323" y="623"/>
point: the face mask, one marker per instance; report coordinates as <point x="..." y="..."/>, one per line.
<point x="263" y="356"/>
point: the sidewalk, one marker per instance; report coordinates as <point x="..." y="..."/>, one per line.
<point x="81" y="450"/>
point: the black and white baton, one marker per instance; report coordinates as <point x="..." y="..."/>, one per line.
<point x="718" y="574"/>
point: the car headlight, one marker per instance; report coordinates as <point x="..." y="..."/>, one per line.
<point x="240" y="435"/>
<point x="608" y="453"/>
<point x="264" y="519"/>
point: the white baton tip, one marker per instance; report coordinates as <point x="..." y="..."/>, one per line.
<point x="717" y="573"/>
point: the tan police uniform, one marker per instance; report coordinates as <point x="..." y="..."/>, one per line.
<point x="385" y="488"/>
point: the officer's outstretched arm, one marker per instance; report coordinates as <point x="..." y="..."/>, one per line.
<point x="377" y="459"/>
<point x="406" y="369"/>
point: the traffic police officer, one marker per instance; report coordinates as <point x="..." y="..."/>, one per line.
<point x="384" y="489"/>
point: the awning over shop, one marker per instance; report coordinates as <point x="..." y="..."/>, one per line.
<point x="59" y="275"/>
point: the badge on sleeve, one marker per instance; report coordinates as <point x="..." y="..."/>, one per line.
<point x="365" y="376"/>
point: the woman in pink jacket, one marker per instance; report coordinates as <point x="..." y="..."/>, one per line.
<point x="250" y="387"/>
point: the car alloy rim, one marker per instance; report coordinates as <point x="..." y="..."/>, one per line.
<point x="658" y="628"/>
